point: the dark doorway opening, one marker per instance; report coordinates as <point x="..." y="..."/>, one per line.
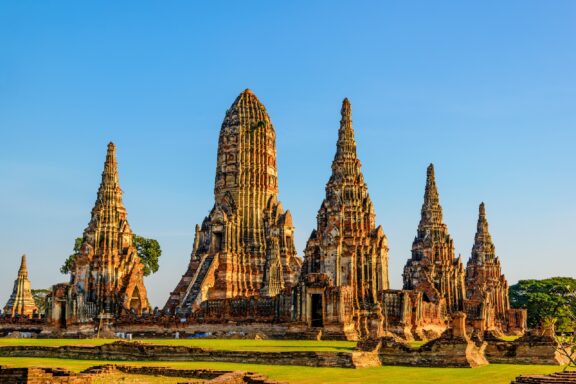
<point x="217" y="241"/>
<point x="317" y="316"/>
<point x="62" y="305"/>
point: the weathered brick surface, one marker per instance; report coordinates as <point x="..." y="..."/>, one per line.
<point x="245" y="247"/>
<point x="125" y="351"/>
<point x="21" y="302"/>
<point x="36" y="375"/>
<point x="566" y="377"/>
<point x="529" y="349"/>
<point x="346" y="256"/>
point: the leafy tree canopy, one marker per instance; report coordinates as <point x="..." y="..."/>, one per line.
<point x="147" y="249"/>
<point x="67" y="266"/>
<point x="548" y="298"/>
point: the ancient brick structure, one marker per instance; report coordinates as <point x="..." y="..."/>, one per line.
<point x="408" y="316"/>
<point x="36" y="375"/>
<point x="21" y="302"/>
<point x="487" y="303"/>
<point x="346" y="257"/>
<point x="106" y="274"/>
<point x="245" y="247"/>
<point x="433" y="269"/>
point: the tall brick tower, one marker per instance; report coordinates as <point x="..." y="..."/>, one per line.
<point x="107" y="275"/>
<point x="433" y="268"/>
<point x="346" y="257"/>
<point x="245" y="247"/>
<point x="486" y="287"/>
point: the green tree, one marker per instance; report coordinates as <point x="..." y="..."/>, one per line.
<point x="148" y="250"/>
<point x="548" y="298"/>
<point x="67" y="266"/>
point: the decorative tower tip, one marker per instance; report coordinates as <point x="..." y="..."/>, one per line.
<point x="23" y="266"/>
<point x="430" y="172"/>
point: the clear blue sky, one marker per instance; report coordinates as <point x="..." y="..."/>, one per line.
<point x="485" y="90"/>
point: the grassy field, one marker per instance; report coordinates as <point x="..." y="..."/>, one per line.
<point x="493" y="374"/>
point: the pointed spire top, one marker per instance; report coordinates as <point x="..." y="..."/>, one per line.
<point x="346" y="108"/>
<point x="430" y="173"/>
<point x="482" y="228"/>
<point x="110" y="183"/>
<point x="23" y="267"/>
<point x="431" y="209"/>
<point x="248" y="91"/>
<point x="483" y="248"/>
<point x="346" y="145"/>
<point x="110" y="163"/>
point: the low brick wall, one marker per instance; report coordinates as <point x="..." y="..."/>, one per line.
<point x="566" y="377"/>
<point x="442" y="352"/>
<point x="134" y="351"/>
<point x="526" y="350"/>
<point x="213" y="376"/>
<point x="35" y="375"/>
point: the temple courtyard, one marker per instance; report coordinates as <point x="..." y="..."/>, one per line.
<point x="493" y="373"/>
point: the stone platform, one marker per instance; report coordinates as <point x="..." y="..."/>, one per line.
<point x="136" y="351"/>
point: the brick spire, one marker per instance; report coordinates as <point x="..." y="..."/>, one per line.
<point x="483" y="249"/>
<point x="245" y="247"/>
<point x="433" y="268"/>
<point x="21" y="302"/>
<point x="486" y="286"/>
<point x="346" y="145"/>
<point x="107" y="270"/>
<point x="347" y="247"/>
<point x="431" y="213"/>
<point x="23" y="271"/>
<point x="109" y="192"/>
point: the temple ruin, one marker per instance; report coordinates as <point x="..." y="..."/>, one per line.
<point x="245" y="246"/>
<point x="107" y="275"/>
<point x="244" y="271"/>
<point x="487" y="303"/>
<point x="21" y="302"/>
<point x="433" y="269"/>
<point x="346" y="256"/>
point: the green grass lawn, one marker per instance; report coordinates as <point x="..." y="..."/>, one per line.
<point x="493" y="374"/>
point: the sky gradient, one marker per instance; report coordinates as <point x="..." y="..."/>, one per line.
<point x="484" y="90"/>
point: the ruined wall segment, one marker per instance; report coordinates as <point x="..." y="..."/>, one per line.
<point x="433" y="268"/>
<point x="245" y="247"/>
<point x="346" y="256"/>
<point x="21" y="302"/>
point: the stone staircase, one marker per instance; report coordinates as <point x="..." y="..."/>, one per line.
<point x="565" y="377"/>
<point x="196" y="286"/>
